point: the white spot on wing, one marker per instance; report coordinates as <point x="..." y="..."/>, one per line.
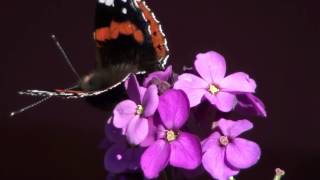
<point x="124" y="10"/>
<point x="107" y="2"/>
<point x="163" y="60"/>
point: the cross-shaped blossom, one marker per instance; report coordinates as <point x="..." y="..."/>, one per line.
<point x="173" y="146"/>
<point x="132" y="114"/>
<point x="225" y="154"/>
<point x="212" y="84"/>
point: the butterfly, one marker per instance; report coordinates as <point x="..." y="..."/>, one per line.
<point x="129" y="39"/>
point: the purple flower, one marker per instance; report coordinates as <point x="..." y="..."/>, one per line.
<point x="132" y="115"/>
<point x="120" y="156"/>
<point x="160" y="79"/>
<point x="212" y="83"/>
<point x="113" y="134"/>
<point x="225" y="154"/>
<point x="173" y="146"/>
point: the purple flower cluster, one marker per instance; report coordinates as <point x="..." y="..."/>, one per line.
<point x="149" y="130"/>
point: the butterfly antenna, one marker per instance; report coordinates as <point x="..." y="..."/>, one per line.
<point x="29" y="106"/>
<point x="36" y="103"/>
<point x="57" y="43"/>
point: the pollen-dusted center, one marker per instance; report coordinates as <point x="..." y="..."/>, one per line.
<point x="171" y="135"/>
<point x="213" y="89"/>
<point x="139" y="110"/>
<point x="224" y="140"/>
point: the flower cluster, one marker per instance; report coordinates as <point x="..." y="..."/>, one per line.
<point x="153" y="129"/>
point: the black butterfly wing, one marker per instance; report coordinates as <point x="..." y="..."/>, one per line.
<point x="127" y="32"/>
<point x="128" y="39"/>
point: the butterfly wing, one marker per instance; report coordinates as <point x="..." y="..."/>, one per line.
<point x="75" y="92"/>
<point x="128" y="32"/>
<point x="129" y="39"/>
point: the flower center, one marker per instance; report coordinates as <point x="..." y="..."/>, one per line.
<point x="139" y="110"/>
<point x="224" y="140"/>
<point x="171" y="135"/>
<point x="213" y="89"/>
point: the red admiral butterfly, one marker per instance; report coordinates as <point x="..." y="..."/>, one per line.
<point x="129" y="39"/>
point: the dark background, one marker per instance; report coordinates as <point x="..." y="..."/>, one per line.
<point x="275" y="41"/>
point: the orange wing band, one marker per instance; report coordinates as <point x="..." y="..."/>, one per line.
<point x="116" y="29"/>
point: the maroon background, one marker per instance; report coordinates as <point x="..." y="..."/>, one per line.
<point x="275" y="41"/>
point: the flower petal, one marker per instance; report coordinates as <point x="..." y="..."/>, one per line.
<point x="137" y="130"/>
<point x="123" y="113"/>
<point x="234" y="128"/>
<point x="238" y="82"/>
<point x="193" y="86"/>
<point x="161" y="131"/>
<point x="250" y="104"/>
<point x="133" y="155"/>
<point x="185" y="151"/>
<point x="162" y="75"/>
<point x="150" y="101"/>
<point x="133" y="89"/>
<point x="214" y="163"/>
<point x="152" y="134"/>
<point x="242" y="153"/>
<point x="211" y="66"/>
<point x="155" y="159"/>
<point x="224" y="101"/>
<point x="113" y="134"/>
<point x="211" y="141"/>
<point x="113" y="159"/>
<point x="173" y="108"/>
